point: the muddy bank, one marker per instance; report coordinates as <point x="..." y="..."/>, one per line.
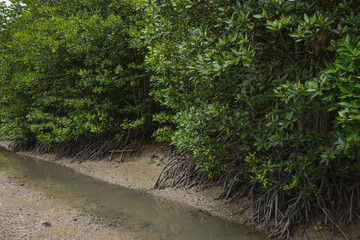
<point x="28" y="214"/>
<point x="141" y="172"/>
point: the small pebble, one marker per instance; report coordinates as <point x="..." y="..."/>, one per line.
<point x="46" y="224"/>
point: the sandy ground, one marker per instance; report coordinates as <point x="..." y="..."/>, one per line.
<point x="141" y="172"/>
<point x="27" y="214"/>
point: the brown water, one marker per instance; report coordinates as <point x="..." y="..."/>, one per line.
<point x="150" y="217"/>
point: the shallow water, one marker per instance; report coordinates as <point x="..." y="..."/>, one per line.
<point x="149" y="217"/>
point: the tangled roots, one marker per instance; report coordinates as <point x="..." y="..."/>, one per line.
<point x="274" y="209"/>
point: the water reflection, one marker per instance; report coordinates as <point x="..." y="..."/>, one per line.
<point x="151" y="217"/>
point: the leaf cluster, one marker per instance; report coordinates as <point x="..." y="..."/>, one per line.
<point x="68" y="71"/>
<point x="270" y="85"/>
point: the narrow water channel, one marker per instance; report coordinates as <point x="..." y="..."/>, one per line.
<point x="151" y="217"/>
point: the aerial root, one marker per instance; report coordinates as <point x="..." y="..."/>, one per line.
<point x="278" y="212"/>
<point x="82" y="150"/>
<point x="180" y="173"/>
<point x="274" y="209"/>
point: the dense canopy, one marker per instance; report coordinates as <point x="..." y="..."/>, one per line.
<point x="266" y="93"/>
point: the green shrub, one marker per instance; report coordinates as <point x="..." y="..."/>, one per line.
<point x="71" y="72"/>
<point x="271" y="85"/>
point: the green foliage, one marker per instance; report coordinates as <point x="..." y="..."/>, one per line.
<point x="270" y="87"/>
<point x="163" y="134"/>
<point x="70" y="72"/>
<point x="276" y="81"/>
<point x="344" y="76"/>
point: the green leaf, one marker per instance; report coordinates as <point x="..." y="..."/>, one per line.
<point x="345" y="104"/>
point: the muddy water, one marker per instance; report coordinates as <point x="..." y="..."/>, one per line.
<point x="149" y="217"/>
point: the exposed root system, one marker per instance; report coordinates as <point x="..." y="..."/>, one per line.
<point x="335" y="199"/>
<point x="274" y="210"/>
<point x="84" y="149"/>
<point x="180" y="172"/>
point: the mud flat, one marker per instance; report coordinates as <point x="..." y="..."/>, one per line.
<point x="140" y="173"/>
<point x="28" y="214"/>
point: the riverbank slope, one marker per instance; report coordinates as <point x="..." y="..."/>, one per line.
<point x="140" y="173"/>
